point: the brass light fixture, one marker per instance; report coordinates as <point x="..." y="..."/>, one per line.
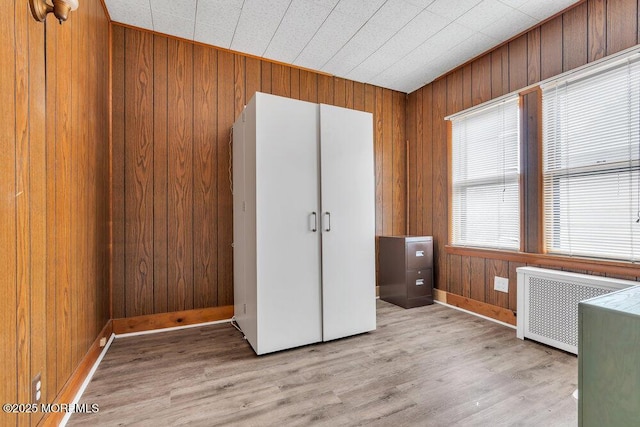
<point x="60" y="8"/>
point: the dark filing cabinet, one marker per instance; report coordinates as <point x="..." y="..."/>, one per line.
<point x="406" y="270"/>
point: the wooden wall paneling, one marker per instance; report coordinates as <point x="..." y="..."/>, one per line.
<point x="513" y="284"/>
<point x="481" y="79"/>
<point x="596" y="29"/>
<point x="325" y="89"/>
<point x="160" y="175"/>
<point x="139" y="163"/>
<point x="455" y="92"/>
<point x="226" y="117"/>
<point x="205" y="161"/>
<point x="500" y="71"/>
<point x="399" y="165"/>
<point x="180" y="174"/>
<point x="49" y="378"/>
<point x="455" y="274"/>
<point x="252" y="77"/>
<point x="358" y="96"/>
<point x="265" y="68"/>
<point x="387" y="162"/>
<point x="295" y="83"/>
<point x="477" y="277"/>
<point x="118" y="76"/>
<point x="467" y="96"/>
<point x="518" y="70"/>
<point x="440" y="182"/>
<point x="308" y="86"/>
<point x="427" y="160"/>
<point x="64" y="205"/>
<point x="281" y="80"/>
<point x="465" y="276"/>
<point x="22" y="196"/>
<point x="533" y="56"/>
<point x="375" y="99"/>
<point x="8" y="249"/>
<point x="622" y="25"/>
<point x="551" y="48"/>
<point x="574" y="37"/>
<point x="348" y="94"/>
<point x="412" y="148"/>
<point x="239" y="85"/>
<point x="418" y="153"/>
<point x="495" y="268"/>
<point x="339" y="92"/>
<point x="38" y="206"/>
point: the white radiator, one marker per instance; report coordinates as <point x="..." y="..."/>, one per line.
<point x="548" y="303"/>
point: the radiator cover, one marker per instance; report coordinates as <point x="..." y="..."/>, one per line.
<point x="548" y="303"/>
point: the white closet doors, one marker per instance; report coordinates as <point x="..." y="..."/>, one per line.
<point x="288" y="250"/>
<point x="348" y="222"/>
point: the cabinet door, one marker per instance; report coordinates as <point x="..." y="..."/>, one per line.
<point x="288" y="250"/>
<point x="348" y="228"/>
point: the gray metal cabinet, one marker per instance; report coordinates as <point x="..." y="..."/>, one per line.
<point x="609" y="359"/>
<point x="406" y="270"/>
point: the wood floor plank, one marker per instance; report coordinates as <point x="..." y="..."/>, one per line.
<point x="210" y="376"/>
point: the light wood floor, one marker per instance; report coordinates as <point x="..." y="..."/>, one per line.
<point x="427" y="366"/>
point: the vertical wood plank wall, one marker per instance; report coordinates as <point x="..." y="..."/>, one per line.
<point x="586" y="32"/>
<point x="174" y="103"/>
<point x="54" y="197"/>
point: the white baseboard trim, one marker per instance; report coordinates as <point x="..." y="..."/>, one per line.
<point x="173" y="328"/>
<point x="87" y="380"/>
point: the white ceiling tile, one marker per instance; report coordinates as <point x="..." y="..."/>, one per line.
<point x="514" y="3"/>
<point x="258" y="22"/>
<point x="395" y="14"/>
<point x="300" y="23"/>
<point x="361" y="9"/>
<point x="182" y="8"/>
<point x="544" y="9"/>
<point x="136" y="14"/>
<point x="484" y="14"/>
<point x="362" y="45"/>
<point x="421" y="3"/>
<point x="509" y="25"/>
<point x="215" y="11"/>
<point x="330" y="38"/>
<point x="174" y="25"/>
<point x="452" y="9"/>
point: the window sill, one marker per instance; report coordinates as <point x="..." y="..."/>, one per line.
<point x="619" y="268"/>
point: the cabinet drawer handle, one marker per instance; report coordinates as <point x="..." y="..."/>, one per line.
<point x="419" y="253"/>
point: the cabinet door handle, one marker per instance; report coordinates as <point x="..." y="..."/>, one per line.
<point x="328" y="216"/>
<point x="314" y="227"/>
<point x="419" y="282"/>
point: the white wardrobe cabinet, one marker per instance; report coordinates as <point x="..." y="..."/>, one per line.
<point x="304" y="225"/>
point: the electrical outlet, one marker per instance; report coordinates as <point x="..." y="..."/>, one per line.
<point x="36" y="388"/>
<point x="103" y="341"/>
<point x="501" y="284"/>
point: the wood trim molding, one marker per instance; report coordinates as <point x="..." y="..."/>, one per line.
<point x="73" y="384"/>
<point x="172" y="319"/>
<point x="493" y="311"/>
<point x="575" y="263"/>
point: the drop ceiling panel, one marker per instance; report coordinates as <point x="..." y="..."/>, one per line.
<point x="299" y="24"/>
<point x="399" y="44"/>
<point x="258" y="22"/>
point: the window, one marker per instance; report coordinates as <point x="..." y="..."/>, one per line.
<point x="486" y="176"/>
<point x="591" y="155"/>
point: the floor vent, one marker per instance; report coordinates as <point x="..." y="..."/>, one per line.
<point x="548" y="303"/>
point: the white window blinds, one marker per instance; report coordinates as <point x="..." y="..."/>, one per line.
<point x="485" y="177"/>
<point x="591" y="150"/>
